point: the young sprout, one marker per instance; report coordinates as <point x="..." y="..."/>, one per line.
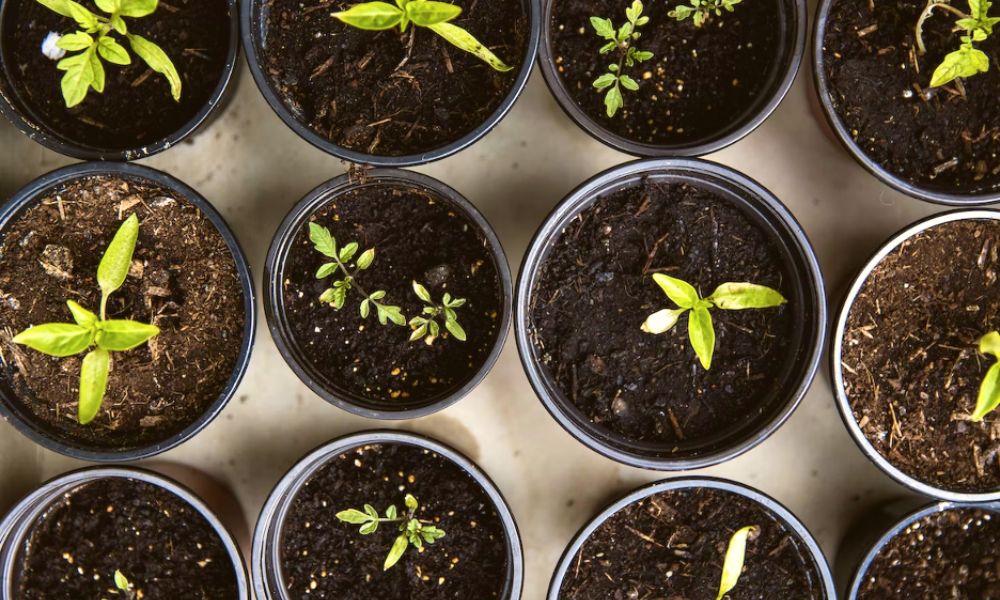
<point x="701" y="10"/>
<point x="732" y="568"/>
<point x="436" y="16"/>
<point x="967" y="60"/>
<point x="336" y="295"/>
<point x="623" y="41"/>
<point x="989" y="389"/>
<point x="123" y="584"/>
<point x="728" y="296"/>
<point x="109" y="335"/>
<point x="412" y="531"/>
<point x="94" y="41"/>
<point x="428" y="327"/>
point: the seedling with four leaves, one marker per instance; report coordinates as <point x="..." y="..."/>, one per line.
<point x="732" y="568"/>
<point x="412" y="531"/>
<point x="94" y="41"/>
<point x="427" y="327"/>
<point x="967" y="60"/>
<point x="700" y="11"/>
<point x="623" y="40"/>
<point x="108" y="335"/>
<point x="989" y="389"/>
<point x="728" y="296"/>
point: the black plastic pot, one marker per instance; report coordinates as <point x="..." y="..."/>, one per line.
<point x="920" y="192"/>
<point x="265" y="564"/>
<point x="253" y="20"/>
<point x="836" y="365"/>
<point x="793" y="34"/>
<point x="808" y="301"/>
<point x="16" y="526"/>
<point x="274" y="309"/>
<point x="772" y="505"/>
<point x="23" y="118"/>
<point x="23" y="420"/>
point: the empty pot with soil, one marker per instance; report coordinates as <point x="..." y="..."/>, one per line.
<point x="386" y="515"/>
<point x="693" y="538"/>
<point x="387" y="293"/>
<point x="128" y="311"/>
<point x="912" y="357"/>
<point x="118" y="533"/>
<point x="670" y="313"/>
<point x="391" y="85"/>
<point x="114" y="80"/>
<point x="678" y="78"/>
<point x="910" y="98"/>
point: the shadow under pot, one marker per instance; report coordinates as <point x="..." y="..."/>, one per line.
<point x="394" y="96"/>
<point x="68" y="89"/>
<point x="874" y="78"/>
<point x="906" y="361"/>
<point x="118" y="532"/>
<point x="676" y="86"/>
<point x="168" y="320"/>
<point x="672" y="538"/>
<point x="388" y="296"/>
<point x="636" y="278"/>
<point x="386" y="515"/>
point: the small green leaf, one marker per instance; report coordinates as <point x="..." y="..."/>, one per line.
<point x="989" y="394"/>
<point x="83" y="17"/>
<point x="391" y="513"/>
<point x="613" y="101"/>
<point x="81" y="315"/>
<point x="121" y="582"/>
<point x="702" y="335"/>
<point x="390" y="313"/>
<point x="455" y="329"/>
<point x="662" y="321"/>
<point x="58" y="6"/>
<point x="348" y="252"/>
<point x="352" y="516"/>
<point x="605" y="81"/>
<point x="428" y="12"/>
<point x="464" y="40"/>
<point x="964" y="62"/>
<point x="369" y="528"/>
<point x="137" y="8"/>
<point x="365" y="308"/>
<point x="56" y="339"/>
<point x="93" y="383"/>
<point x="366" y="259"/>
<point x="410" y="501"/>
<point x="339" y="296"/>
<point x="732" y="568"/>
<point x="113" y="52"/>
<point x="628" y="83"/>
<point x="117" y="259"/>
<point x="322" y="240"/>
<point x="680" y="292"/>
<point x="604" y="27"/>
<point x="75" y="41"/>
<point x="990" y="344"/>
<point x="326" y="270"/>
<point x="120" y="335"/>
<point x="419" y="332"/>
<point x="108" y="6"/>
<point x="327" y="296"/>
<point x="78" y="78"/>
<point x="422" y="292"/>
<point x="739" y="296"/>
<point x="98" y="67"/>
<point x="396" y="552"/>
<point x="371" y="16"/>
<point x="118" y="24"/>
<point x="157" y="59"/>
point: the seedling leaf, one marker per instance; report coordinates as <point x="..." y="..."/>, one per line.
<point x="662" y="320"/>
<point x="371" y="16"/>
<point x="114" y="266"/>
<point x="93" y="383"/>
<point x="680" y="292"/>
<point x="120" y="335"/>
<point x="702" y="335"/>
<point x="740" y="296"/>
<point x="989" y="390"/>
<point x="56" y="339"/>
<point x="463" y="40"/>
<point x="732" y="568"/>
<point x="157" y="59"/>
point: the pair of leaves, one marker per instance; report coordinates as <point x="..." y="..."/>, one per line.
<point x="623" y="39"/>
<point x="701" y="332"/>
<point x="732" y="567"/>
<point x="412" y="531"/>
<point x="989" y="389"/>
<point x="428" y="327"/>
<point x="701" y="10"/>
<point x="436" y="16"/>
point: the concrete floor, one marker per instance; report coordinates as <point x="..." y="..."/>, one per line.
<point x="254" y="169"/>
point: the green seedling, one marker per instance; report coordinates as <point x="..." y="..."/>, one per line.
<point x="94" y="41"/>
<point x="700" y="11"/>
<point x="728" y="296"/>
<point x="989" y="389"/>
<point x="436" y="16"/>
<point x="976" y="26"/>
<point x="623" y="41"/>
<point x="123" y="585"/>
<point x="108" y="335"/>
<point x="412" y="531"/>
<point x="732" y="568"/>
<point x="427" y="327"/>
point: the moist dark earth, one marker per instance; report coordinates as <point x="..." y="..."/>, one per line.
<point x="136" y="108"/>
<point x="700" y="82"/>
<point x="595" y="289"/>
<point x="183" y="280"/>
<point x="323" y="558"/>
<point x="162" y="545"/>
<point x="938" y="138"/>
<point x="375" y="92"/>
<point x="672" y="545"/>
<point x="949" y="554"/>
<point x="911" y="364"/>
<point x="416" y="236"/>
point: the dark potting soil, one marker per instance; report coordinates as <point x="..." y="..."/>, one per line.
<point x="700" y="82"/>
<point x="162" y="545"/>
<point x="389" y="93"/>
<point x="911" y="364"/>
<point x="949" y="554"/>
<point x="325" y="559"/>
<point x="932" y="137"/>
<point x="673" y="544"/>
<point x="595" y="289"/>
<point x="136" y="108"/>
<point x="416" y="236"/>
<point x="183" y="280"/>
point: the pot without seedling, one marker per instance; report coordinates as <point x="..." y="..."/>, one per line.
<point x="670" y="313"/>
<point x="680" y="79"/>
<point x="122" y="531"/>
<point x="358" y="502"/>
<point x="737" y="543"/>
<point x="128" y="312"/>
<point x="911" y="358"/>
<point x="118" y="85"/>
<point x="388" y="294"/>
<point x="910" y="97"/>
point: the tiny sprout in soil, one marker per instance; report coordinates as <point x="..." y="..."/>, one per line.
<point x="109" y="335"/>
<point x="989" y="390"/>
<point x="701" y="11"/>
<point x="623" y="41"/>
<point x="967" y="60"/>
<point x="123" y="584"/>
<point x="728" y="296"/>
<point x="436" y="16"/>
<point x="427" y="327"/>
<point x="94" y="41"/>
<point x="412" y="531"/>
<point x="732" y="568"/>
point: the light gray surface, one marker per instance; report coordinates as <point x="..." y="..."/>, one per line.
<point x="254" y="169"/>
